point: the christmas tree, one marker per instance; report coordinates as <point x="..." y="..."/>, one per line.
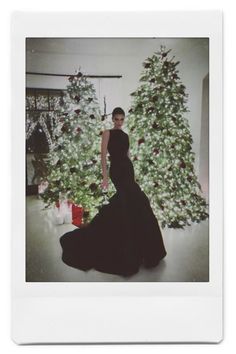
<point x="73" y="164"/>
<point x="161" y="140"/>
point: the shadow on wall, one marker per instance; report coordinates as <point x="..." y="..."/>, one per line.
<point x="204" y="141"/>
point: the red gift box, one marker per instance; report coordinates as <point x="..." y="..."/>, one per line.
<point x="77" y="215"/>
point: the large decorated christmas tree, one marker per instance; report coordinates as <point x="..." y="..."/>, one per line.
<point x="161" y="143"/>
<point x="74" y="168"/>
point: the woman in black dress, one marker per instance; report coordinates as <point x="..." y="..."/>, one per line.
<point x="124" y="233"/>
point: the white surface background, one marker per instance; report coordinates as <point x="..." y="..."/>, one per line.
<point x="229" y="234"/>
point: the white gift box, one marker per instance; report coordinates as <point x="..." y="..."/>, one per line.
<point x="63" y="213"/>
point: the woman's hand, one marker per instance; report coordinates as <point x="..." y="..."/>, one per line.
<point x="104" y="184"/>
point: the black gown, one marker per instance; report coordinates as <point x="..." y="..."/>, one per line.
<point x="124" y="233"/>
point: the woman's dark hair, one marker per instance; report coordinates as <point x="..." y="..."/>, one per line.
<point x="118" y="110"/>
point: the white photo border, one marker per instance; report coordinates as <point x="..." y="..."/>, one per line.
<point x="116" y="312"/>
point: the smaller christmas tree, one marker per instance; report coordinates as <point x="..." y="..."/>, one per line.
<point x="74" y="168"/>
<point x="161" y="143"/>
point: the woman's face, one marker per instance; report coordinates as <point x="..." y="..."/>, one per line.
<point x="118" y="120"/>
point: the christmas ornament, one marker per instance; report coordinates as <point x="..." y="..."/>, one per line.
<point x="71" y="78"/>
<point x="79" y="74"/>
<point x="77" y="98"/>
<point x="141" y="141"/>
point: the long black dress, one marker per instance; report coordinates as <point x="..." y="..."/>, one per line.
<point x="124" y="233"/>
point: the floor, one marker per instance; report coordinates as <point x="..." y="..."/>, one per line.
<point x="186" y="261"/>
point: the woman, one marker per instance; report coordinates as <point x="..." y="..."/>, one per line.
<point x="124" y="233"/>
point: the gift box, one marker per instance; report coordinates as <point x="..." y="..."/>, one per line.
<point x="77" y="215"/>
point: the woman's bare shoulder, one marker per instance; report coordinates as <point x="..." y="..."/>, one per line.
<point x="106" y="132"/>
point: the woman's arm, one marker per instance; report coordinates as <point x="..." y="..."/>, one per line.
<point x="105" y="138"/>
<point x="128" y="153"/>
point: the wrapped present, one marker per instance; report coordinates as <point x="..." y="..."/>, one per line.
<point x="57" y="216"/>
<point x="63" y="212"/>
<point x="77" y="215"/>
<point x="68" y="213"/>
